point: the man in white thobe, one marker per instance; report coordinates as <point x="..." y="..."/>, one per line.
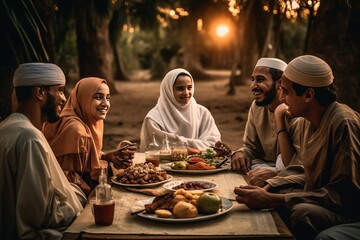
<point x="36" y="200"/>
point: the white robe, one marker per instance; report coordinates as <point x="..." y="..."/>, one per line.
<point x="191" y="124"/>
<point x="36" y="200"/>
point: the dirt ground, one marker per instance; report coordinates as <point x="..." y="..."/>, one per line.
<point x="136" y="98"/>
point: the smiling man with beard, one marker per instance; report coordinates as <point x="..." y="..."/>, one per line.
<point x="261" y="156"/>
<point x="37" y="201"/>
<point x="330" y="150"/>
<point x="55" y="102"/>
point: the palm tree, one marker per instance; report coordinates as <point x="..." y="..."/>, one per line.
<point x="22" y="41"/>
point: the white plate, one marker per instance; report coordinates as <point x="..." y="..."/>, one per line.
<point x="227" y="205"/>
<point x="167" y="167"/>
<point x="113" y="179"/>
<point x="171" y="185"/>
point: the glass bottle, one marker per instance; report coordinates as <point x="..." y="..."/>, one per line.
<point x="165" y="149"/>
<point x="153" y="145"/>
<point x="103" y="189"/>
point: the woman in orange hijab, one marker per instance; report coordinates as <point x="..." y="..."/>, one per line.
<point x="77" y="138"/>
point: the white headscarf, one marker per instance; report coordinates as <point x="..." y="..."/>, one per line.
<point x="173" y="116"/>
<point x="30" y="74"/>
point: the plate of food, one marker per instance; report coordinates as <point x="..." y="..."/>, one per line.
<point x="171" y="167"/>
<point x="226" y="206"/>
<point x="205" y="162"/>
<point x="191" y="185"/>
<point x="141" y="175"/>
<point x="153" y="184"/>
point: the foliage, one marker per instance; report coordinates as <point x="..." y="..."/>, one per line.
<point x="292" y="38"/>
<point x="22" y="31"/>
<point x="138" y="49"/>
<point x="21" y="42"/>
<point x="67" y="57"/>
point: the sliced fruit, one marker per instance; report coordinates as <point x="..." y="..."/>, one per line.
<point x="195" y="160"/>
<point x="193" y="151"/>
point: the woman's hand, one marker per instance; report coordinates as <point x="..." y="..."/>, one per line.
<point x="121" y="157"/>
<point x="222" y="149"/>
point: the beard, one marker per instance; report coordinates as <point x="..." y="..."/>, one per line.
<point x="49" y="109"/>
<point x="269" y="97"/>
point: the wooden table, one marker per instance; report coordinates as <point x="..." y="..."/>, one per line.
<point x="239" y="222"/>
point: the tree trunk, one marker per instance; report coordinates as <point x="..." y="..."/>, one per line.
<point x="192" y="39"/>
<point x="236" y="59"/>
<point x="120" y="70"/>
<point x="94" y="52"/>
<point x="253" y="35"/>
<point x="269" y="31"/>
<point x="191" y="56"/>
<point x="335" y="38"/>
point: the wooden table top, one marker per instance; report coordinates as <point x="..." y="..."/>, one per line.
<point x="240" y="222"/>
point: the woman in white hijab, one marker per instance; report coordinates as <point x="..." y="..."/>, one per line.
<point x="178" y="116"/>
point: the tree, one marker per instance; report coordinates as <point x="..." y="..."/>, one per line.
<point x="335" y="37"/>
<point x="92" y="37"/>
<point x="21" y="42"/>
<point x="253" y="33"/>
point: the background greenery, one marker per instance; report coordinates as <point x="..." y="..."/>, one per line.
<point x="117" y="39"/>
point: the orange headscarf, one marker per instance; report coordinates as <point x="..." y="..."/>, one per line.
<point x="76" y="124"/>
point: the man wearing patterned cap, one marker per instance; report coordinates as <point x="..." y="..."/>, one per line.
<point x="263" y="139"/>
<point x="37" y="201"/>
<point x="330" y="151"/>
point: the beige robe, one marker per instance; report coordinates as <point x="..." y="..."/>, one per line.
<point x="331" y="156"/>
<point x="260" y="138"/>
<point x="36" y="200"/>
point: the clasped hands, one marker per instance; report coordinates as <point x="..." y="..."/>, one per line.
<point x="256" y="177"/>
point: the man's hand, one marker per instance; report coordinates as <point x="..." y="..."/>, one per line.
<point x="280" y="112"/>
<point x="258" y="176"/>
<point x="240" y="163"/>
<point x="258" y="198"/>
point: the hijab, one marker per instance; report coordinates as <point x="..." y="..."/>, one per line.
<point x="173" y="116"/>
<point x="77" y="110"/>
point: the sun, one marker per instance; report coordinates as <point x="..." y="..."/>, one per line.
<point x="222" y="30"/>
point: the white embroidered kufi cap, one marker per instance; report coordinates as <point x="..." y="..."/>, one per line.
<point x="309" y="71"/>
<point x="30" y="74"/>
<point x="272" y="63"/>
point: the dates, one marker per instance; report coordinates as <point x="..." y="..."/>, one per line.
<point x="141" y="173"/>
<point x="192" y="186"/>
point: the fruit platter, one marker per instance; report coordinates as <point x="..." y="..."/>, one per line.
<point x="182" y="206"/>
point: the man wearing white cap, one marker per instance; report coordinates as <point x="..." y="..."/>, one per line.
<point x="330" y="151"/>
<point x="37" y="201"/>
<point x="264" y="137"/>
